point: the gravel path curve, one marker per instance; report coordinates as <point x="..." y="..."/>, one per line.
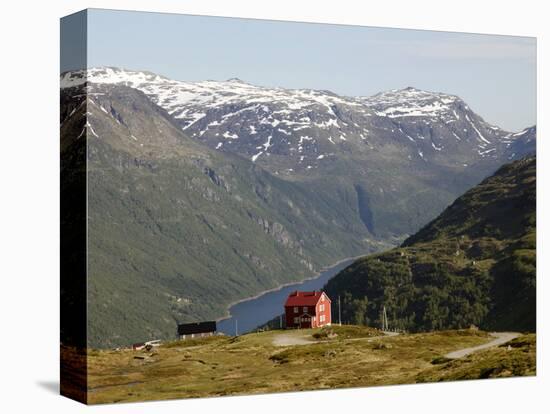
<point x="500" y="338"/>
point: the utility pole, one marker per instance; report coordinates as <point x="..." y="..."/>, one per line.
<point x="236" y="327"/>
<point x="280" y="321"/>
<point x="339" y="312"/>
<point x="385" y="326"/>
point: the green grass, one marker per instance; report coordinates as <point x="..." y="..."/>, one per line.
<point x="515" y="358"/>
<point x="251" y="364"/>
<point x="343" y="332"/>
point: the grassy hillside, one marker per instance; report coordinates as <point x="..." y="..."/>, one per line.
<point x="177" y="231"/>
<point x="474" y="264"/>
<point x="251" y="364"/>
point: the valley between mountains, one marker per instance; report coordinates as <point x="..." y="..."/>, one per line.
<point x="204" y="193"/>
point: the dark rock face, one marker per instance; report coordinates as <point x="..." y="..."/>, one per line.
<point x="363" y="205"/>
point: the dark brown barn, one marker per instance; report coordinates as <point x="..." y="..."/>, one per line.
<point x="196" y="329"/>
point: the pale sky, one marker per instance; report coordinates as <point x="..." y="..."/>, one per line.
<point x="495" y="75"/>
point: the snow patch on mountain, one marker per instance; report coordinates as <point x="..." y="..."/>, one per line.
<point x="412" y="102"/>
<point x="287" y="125"/>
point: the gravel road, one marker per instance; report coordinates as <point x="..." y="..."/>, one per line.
<point x="500" y="338"/>
<point x="287" y="340"/>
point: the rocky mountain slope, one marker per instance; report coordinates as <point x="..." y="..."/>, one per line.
<point x="400" y="156"/>
<point x="474" y="264"/>
<point x="294" y="131"/>
<point x="177" y="231"/>
<point x="202" y="193"/>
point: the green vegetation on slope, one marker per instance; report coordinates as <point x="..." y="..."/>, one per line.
<point x="474" y="264"/>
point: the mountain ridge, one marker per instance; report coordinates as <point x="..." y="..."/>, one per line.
<point x="297" y="131"/>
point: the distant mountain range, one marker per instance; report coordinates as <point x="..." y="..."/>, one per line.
<point x="474" y="264"/>
<point x="202" y="193"/>
<point x="304" y="128"/>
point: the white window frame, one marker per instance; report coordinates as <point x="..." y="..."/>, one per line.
<point x="296" y="319"/>
<point x="296" y="310"/>
<point x="305" y="309"/>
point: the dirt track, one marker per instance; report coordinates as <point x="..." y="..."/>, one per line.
<point x="292" y="339"/>
<point x="287" y="340"/>
<point x="500" y="338"/>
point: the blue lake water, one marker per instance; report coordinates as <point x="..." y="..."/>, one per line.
<point x="251" y="313"/>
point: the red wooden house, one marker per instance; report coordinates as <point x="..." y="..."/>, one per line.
<point x="307" y="310"/>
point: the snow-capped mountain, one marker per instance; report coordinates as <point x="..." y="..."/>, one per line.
<point x="522" y="143"/>
<point x="297" y="130"/>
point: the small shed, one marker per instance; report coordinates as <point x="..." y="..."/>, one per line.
<point x="196" y="329"/>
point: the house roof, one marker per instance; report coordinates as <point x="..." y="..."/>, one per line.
<point x="298" y="298"/>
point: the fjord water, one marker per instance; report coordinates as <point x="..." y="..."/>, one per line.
<point x="247" y="315"/>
